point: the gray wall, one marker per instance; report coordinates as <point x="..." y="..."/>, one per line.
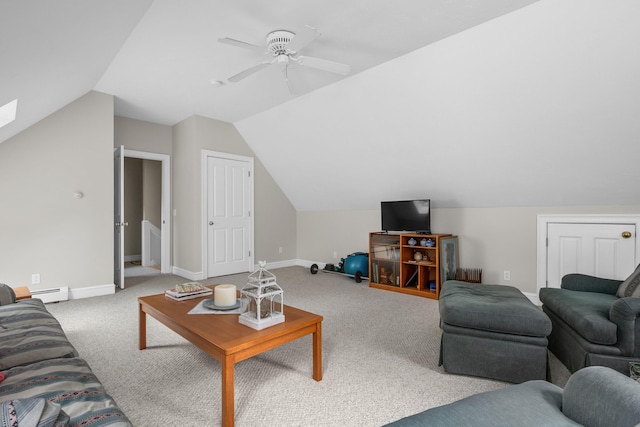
<point x="43" y="227"/>
<point x="274" y="216"/>
<point x="132" y="206"/>
<point x="69" y="241"/>
<point x="494" y="239"/>
<point x="152" y="191"/>
<point x="142" y="136"/>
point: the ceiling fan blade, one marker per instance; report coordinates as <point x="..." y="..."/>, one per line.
<point x="323" y="64"/>
<point x="249" y="71"/>
<point x="245" y="45"/>
<point x="303" y="38"/>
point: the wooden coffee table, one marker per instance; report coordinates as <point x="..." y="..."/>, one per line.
<point x="224" y="338"/>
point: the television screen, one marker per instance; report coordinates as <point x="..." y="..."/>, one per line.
<point x="406" y="215"/>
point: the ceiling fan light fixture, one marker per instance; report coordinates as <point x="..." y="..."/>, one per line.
<point x="277" y="41"/>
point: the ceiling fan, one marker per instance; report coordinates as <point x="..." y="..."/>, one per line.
<point x="284" y="46"/>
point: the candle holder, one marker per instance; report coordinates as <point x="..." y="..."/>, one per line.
<point x="262" y="300"/>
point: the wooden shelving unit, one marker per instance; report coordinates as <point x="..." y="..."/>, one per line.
<point x="394" y="265"/>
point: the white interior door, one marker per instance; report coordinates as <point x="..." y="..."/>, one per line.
<point x="228" y="216"/>
<point x="118" y="216"/>
<point x="602" y="250"/>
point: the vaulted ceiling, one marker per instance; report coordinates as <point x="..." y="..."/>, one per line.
<point x="471" y="103"/>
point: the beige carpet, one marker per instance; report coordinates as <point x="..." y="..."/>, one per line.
<point x="380" y="359"/>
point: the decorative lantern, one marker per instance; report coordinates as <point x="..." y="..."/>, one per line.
<point x="262" y="300"/>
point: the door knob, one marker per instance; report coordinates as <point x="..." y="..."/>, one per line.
<point x="626" y="234"/>
<point x="210" y="222"/>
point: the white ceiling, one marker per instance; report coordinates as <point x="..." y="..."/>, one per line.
<point x="159" y="57"/>
<point x="471" y="103"/>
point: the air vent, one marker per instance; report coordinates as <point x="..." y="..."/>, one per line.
<point x="51" y="295"/>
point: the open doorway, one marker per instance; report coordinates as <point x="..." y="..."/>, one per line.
<point x="145" y="227"/>
<point x="142" y="213"/>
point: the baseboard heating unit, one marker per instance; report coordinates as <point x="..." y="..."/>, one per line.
<point x="51" y="295"/>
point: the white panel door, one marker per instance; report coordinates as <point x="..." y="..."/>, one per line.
<point x="602" y="250"/>
<point x="229" y="201"/>
<point x="118" y="216"/>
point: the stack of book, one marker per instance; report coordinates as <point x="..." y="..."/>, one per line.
<point x="187" y="291"/>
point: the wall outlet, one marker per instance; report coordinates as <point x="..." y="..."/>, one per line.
<point x="35" y="278"/>
<point x="507" y="275"/>
<point x="335" y="255"/>
<point x="280" y="250"/>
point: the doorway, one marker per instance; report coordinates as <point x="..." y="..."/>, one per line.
<point x="161" y="259"/>
<point x="142" y="213"/>
<point x="597" y="245"/>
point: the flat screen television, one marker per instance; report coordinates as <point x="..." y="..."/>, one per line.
<point x="406" y="215"/>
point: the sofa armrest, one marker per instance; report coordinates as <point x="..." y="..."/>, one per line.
<point x="586" y="283"/>
<point x="597" y="396"/>
<point x="623" y="313"/>
<point x="7" y="295"/>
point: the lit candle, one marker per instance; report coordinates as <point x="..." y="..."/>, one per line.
<point x="224" y="295"/>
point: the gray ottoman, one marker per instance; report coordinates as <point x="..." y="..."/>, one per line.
<point x="492" y="331"/>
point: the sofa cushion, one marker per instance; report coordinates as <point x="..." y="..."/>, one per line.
<point x="631" y="286"/>
<point x="29" y="333"/>
<point x="495" y="308"/>
<point x="586" y="312"/>
<point x="69" y="383"/>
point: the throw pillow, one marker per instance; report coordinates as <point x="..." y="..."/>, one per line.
<point x="34" y="412"/>
<point x="631" y="286"/>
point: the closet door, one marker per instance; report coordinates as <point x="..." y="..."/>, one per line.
<point x="229" y="221"/>
<point x="602" y="250"/>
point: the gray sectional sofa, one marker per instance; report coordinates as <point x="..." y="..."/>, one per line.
<point x="594" y="397"/>
<point x="594" y="323"/>
<point x="43" y="382"/>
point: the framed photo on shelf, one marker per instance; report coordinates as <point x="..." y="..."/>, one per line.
<point x="448" y="258"/>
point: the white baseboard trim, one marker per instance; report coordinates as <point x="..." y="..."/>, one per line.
<point x="188" y="274"/>
<point x="199" y="275"/>
<point x="92" y="291"/>
<point x="533" y="298"/>
<point x="129" y="258"/>
<point x="278" y="264"/>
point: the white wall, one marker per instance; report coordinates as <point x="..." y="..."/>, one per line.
<point x="43" y="228"/>
<point x="536" y="108"/>
<point x="494" y="239"/>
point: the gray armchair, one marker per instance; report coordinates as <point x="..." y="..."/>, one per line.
<point x="591" y="325"/>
